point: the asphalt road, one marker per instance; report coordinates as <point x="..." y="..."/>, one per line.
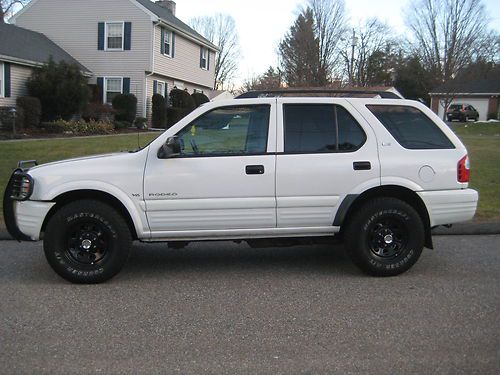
<point x="222" y="308"/>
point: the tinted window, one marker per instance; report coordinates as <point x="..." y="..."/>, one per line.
<point x="351" y="136"/>
<point x="410" y="127"/>
<point x="227" y="131"/>
<point x="313" y="128"/>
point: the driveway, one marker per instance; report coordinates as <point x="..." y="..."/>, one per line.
<point x="223" y="308"/>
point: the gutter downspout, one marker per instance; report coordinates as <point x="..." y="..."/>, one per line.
<point x="152" y="68"/>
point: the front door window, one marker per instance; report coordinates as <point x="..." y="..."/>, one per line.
<point x="238" y="130"/>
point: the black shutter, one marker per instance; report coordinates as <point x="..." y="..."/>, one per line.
<point x="6" y="74"/>
<point x="100" y="88"/>
<point x="100" y="85"/>
<point x="100" y="36"/>
<point x="172" y="47"/>
<point x="127" y="43"/>
<point x="201" y="57"/>
<point x="126" y="86"/>
<point x="208" y="59"/>
<point x="162" y="39"/>
<point x="155" y="86"/>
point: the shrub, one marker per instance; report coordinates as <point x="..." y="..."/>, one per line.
<point x="141" y="123"/>
<point x="492" y="116"/>
<point x="174" y="115"/>
<point x="11" y="115"/>
<point x="31" y="109"/>
<point x="125" y="106"/>
<point x="199" y="98"/>
<point x="121" y="125"/>
<point x="159" y="107"/>
<point x="97" y="111"/>
<point x="61" y="88"/>
<point x="6" y="118"/>
<point x="79" y="127"/>
<point x="181" y="99"/>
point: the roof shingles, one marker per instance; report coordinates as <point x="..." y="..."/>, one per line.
<point x="478" y="86"/>
<point x="31" y="47"/>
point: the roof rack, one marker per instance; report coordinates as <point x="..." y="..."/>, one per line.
<point x="317" y="92"/>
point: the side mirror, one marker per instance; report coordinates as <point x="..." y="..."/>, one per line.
<point x="171" y="148"/>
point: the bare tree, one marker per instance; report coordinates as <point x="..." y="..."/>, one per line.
<point x="221" y="31"/>
<point x="8" y="7"/>
<point x="369" y="41"/>
<point x="329" y="28"/>
<point x="271" y="79"/>
<point x="446" y="33"/>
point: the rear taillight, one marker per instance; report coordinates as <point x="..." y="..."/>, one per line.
<point x="463" y="169"/>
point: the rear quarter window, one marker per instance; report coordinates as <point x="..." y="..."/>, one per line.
<point x="411" y="128"/>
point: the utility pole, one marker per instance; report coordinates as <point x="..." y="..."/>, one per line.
<point x="354" y="43"/>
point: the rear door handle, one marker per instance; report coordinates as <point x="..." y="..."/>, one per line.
<point x="361" y="165"/>
<point x="254" y="169"/>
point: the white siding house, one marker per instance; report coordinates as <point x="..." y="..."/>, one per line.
<point x="122" y="43"/>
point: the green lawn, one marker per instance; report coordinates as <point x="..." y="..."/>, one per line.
<point x="482" y="141"/>
<point x="57" y="149"/>
<point x="483" y="144"/>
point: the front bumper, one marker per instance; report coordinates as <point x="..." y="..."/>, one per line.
<point x="24" y="219"/>
<point x="450" y="206"/>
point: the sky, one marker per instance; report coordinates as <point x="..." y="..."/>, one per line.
<point x="261" y="24"/>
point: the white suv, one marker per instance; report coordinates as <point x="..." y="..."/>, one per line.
<point x="378" y="173"/>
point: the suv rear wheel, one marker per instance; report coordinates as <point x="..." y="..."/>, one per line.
<point x="385" y="237"/>
<point x="87" y="242"/>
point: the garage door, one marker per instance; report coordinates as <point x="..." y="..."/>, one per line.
<point x="481" y="106"/>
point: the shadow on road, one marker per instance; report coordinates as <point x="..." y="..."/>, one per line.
<point x="225" y="257"/>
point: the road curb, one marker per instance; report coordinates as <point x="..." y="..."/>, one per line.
<point x="461" y="229"/>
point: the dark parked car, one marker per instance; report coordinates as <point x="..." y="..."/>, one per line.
<point x="461" y="112"/>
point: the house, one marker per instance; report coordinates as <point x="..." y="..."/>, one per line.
<point x="482" y="94"/>
<point x="20" y="51"/>
<point x="131" y="46"/>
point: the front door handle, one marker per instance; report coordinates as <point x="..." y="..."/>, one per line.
<point x="361" y="165"/>
<point x="254" y="169"/>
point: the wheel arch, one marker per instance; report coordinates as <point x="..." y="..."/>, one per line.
<point x="352" y="202"/>
<point x="98" y="195"/>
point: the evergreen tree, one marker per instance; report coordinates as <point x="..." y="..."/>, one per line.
<point x="300" y="54"/>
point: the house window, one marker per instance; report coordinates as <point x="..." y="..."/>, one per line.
<point x="114" y="35"/>
<point x="167" y="42"/>
<point x="2" y="80"/>
<point x="161" y="88"/>
<point x="112" y="87"/>
<point x="204" y="58"/>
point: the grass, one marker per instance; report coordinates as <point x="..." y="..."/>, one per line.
<point x="482" y="141"/>
<point x="57" y="149"/>
<point x="483" y="145"/>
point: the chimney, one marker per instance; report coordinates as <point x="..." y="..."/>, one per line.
<point x="168" y="5"/>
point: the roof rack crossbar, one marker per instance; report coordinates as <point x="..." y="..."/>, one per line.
<point x="297" y="92"/>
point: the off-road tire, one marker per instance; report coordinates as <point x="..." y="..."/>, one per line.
<point x="87" y="242"/>
<point x="384" y="237"/>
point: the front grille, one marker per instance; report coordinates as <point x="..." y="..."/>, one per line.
<point x="22" y="186"/>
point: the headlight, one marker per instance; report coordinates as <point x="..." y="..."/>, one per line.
<point x="22" y="186"/>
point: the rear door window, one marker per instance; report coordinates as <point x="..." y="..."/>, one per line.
<point x="320" y="128"/>
<point x="410" y="127"/>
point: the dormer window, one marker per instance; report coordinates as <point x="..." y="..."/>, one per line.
<point x="114" y="36"/>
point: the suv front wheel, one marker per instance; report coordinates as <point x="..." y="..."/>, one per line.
<point x="385" y="237"/>
<point x="87" y="241"/>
